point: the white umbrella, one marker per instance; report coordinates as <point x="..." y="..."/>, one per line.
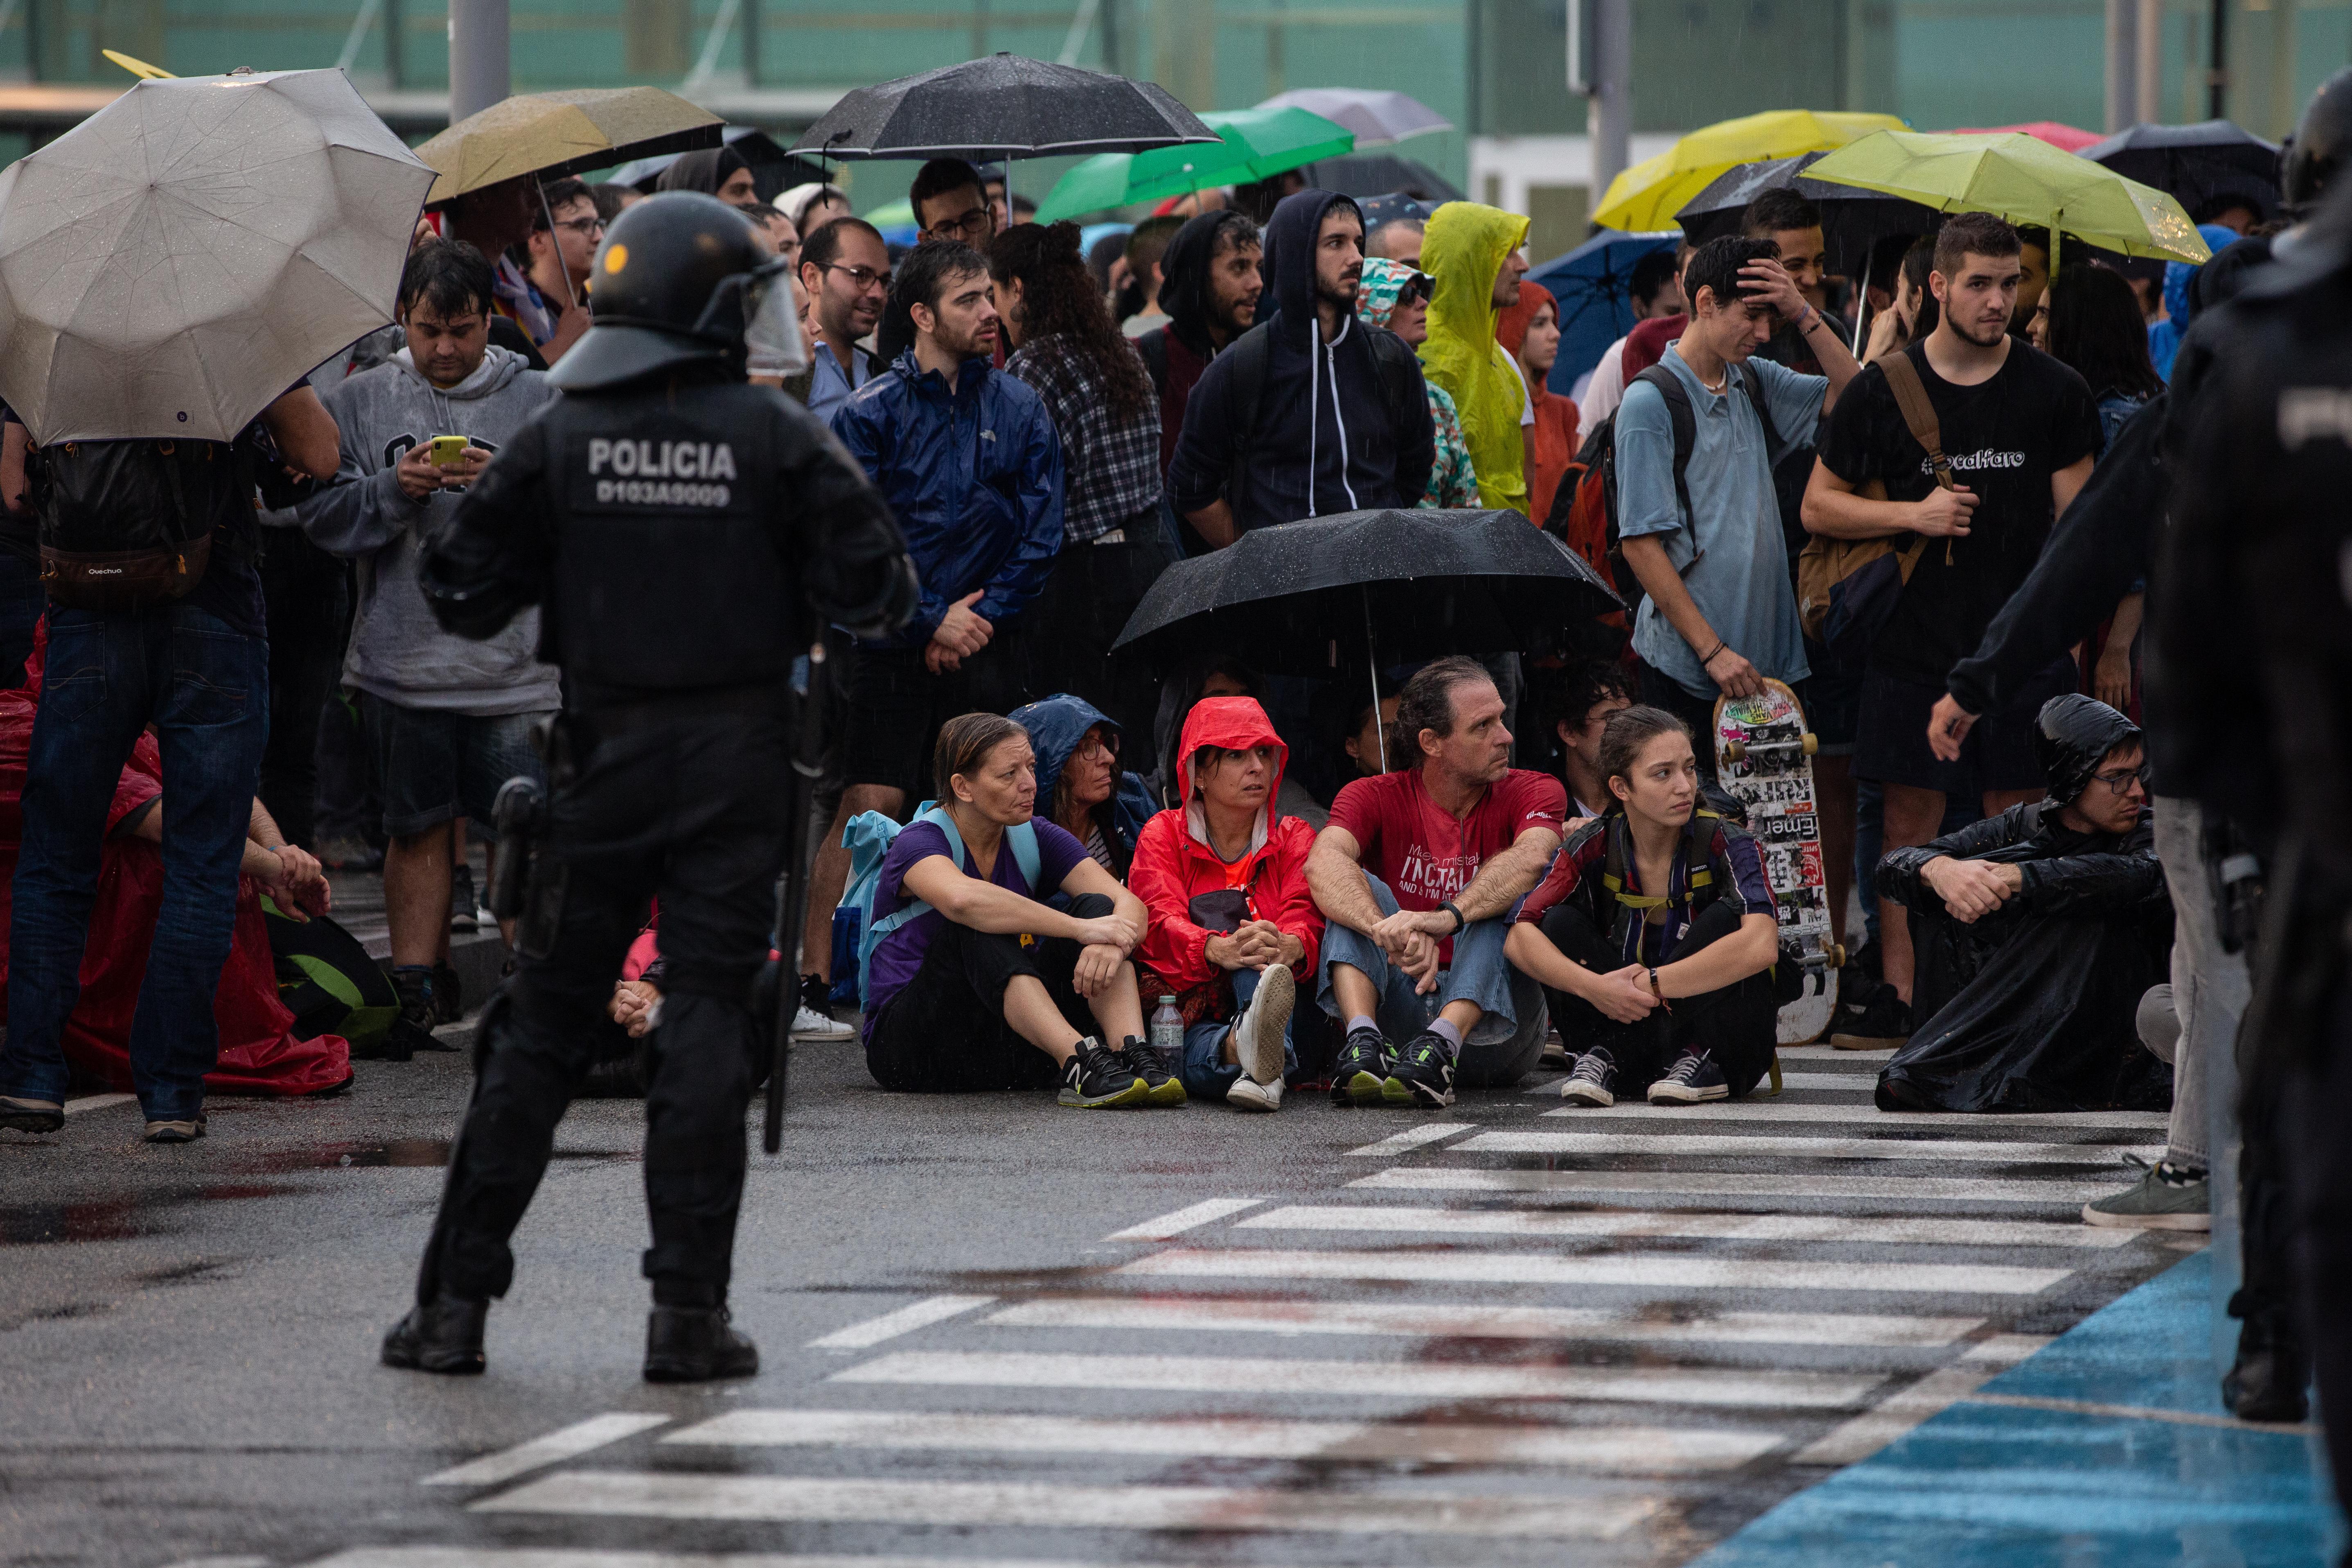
<point x="1377" y="118"/>
<point x="177" y="260"/>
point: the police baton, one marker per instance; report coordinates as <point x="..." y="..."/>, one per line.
<point x="803" y="716"/>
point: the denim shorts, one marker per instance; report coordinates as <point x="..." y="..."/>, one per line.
<point x="432" y="766"/>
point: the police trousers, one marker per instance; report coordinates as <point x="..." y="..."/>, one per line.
<point x="689" y="808"/>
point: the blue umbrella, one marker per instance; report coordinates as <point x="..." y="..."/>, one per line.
<point x="1593" y="284"/>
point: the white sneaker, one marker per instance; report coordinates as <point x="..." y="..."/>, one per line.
<point x="808" y="1024"/>
<point x="1257" y="1036"/>
<point x="1248" y="1094"/>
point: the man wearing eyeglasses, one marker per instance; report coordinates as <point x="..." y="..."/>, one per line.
<point x="846" y="270"/>
<point x="559" y="259"/>
<point x="2039" y="930"/>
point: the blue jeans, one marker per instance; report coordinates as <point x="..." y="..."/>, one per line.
<point x="207" y="691"/>
<point x="1501" y="1047"/>
<point x="1206" y="1073"/>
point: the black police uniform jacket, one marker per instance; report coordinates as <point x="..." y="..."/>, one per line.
<point x="671" y="530"/>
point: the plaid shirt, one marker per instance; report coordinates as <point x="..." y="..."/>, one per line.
<point x="1110" y="465"/>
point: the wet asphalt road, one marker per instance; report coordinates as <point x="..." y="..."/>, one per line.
<point x="1329" y="1374"/>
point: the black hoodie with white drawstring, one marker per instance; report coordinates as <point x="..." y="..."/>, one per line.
<point x="1334" y="430"/>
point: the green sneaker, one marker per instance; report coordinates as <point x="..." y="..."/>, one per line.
<point x="2154" y="1204"/>
<point x="1422" y="1074"/>
<point x="1362" y="1069"/>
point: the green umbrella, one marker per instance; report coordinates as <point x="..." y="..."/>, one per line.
<point x="2023" y="180"/>
<point x="1258" y="144"/>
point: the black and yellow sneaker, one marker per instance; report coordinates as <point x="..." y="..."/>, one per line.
<point x="1095" y="1077"/>
<point x="1149" y="1066"/>
<point x="1421" y="1073"/>
<point x="1361" y="1067"/>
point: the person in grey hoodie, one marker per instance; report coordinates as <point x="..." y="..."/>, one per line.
<point x="446" y="719"/>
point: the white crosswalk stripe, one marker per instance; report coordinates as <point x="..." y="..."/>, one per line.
<point x="1764" y="1145"/>
<point x="1693" y="1226"/>
<point x="1496" y="1340"/>
<point x="1657" y="1269"/>
<point x="1366" y="1379"/>
<point x="1433" y="1320"/>
<point x="935" y="1503"/>
<point x="1615" y="1450"/>
<point x="1780" y="1113"/>
<point x="1741" y="1190"/>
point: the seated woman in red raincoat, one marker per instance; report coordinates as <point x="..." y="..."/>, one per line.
<point x="258" y="1052"/>
<point x="1233" y="925"/>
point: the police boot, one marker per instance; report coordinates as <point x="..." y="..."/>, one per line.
<point x="444" y="1336"/>
<point x="2270" y="1379"/>
<point x="695" y="1344"/>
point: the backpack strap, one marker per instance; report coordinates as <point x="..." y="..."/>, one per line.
<point x="1152" y="349"/>
<point x="1685" y="426"/>
<point x="1752" y="384"/>
<point x="1918" y="413"/>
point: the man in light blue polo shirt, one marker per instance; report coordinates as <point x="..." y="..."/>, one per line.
<point x="1720" y="617"/>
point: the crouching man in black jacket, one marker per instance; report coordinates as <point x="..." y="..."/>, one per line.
<point x="2038" y="931"/>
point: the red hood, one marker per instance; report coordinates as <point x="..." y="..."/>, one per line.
<point x="1235" y="723"/>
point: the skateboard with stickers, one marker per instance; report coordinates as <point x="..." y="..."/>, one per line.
<point x="1764" y="759"/>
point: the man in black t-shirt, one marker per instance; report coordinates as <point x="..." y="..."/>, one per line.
<point x="2019" y="431"/>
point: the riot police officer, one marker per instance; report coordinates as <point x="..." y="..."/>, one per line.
<point x="2258" y="561"/>
<point x="672" y="522"/>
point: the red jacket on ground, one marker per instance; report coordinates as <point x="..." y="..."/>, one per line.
<point x="1174" y="865"/>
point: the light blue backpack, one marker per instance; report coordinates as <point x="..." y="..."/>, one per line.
<point x="868" y="836"/>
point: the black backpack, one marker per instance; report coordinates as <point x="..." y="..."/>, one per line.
<point x="1597" y="458"/>
<point x="125" y="525"/>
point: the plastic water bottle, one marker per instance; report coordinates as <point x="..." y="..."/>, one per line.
<point x="1168" y="1030"/>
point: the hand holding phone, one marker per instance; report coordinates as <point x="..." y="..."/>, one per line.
<point x="450" y="451"/>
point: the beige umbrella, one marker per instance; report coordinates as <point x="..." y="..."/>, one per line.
<point x="177" y="260"/>
<point x="555" y="133"/>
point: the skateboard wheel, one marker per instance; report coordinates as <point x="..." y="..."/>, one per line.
<point x="1734" y="751"/>
<point x="1836" y="956"/>
<point x="1813" y="742"/>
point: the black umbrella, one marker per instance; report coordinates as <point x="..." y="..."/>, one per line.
<point x="1415" y="585"/>
<point x="2201" y="166"/>
<point x="1852" y="219"/>
<point x="1001" y="107"/>
<point x="1380" y="173"/>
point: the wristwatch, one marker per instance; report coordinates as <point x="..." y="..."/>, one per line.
<point x="1459" y="921"/>
<point x="1656" y="992"/>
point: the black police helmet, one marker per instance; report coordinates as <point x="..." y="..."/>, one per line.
<point x="650" y="287"/>
<point x="2322" y="141"/>
<point x="2071" y="736"/>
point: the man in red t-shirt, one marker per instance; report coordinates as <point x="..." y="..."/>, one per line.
<point x="1417" y="875"/>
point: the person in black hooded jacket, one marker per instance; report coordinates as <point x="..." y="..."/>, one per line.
<point x="2038" y="931"/>
<point x="1309" y="412"/>
<point x="1210" y="283"/>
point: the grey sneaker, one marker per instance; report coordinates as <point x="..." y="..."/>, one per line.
<point x="2154" y="1204"/>
<point x="181" y="1130"/>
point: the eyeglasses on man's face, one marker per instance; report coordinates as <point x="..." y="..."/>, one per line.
<point x="975" y="227"/>
<point x="583" y="227"/>
<point x="861" y="278"/>
<point x="2119" y="781"/>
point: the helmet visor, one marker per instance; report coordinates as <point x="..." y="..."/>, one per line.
<point x="773" y="342"/>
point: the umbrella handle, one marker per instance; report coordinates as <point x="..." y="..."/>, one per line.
<point x="1372" y="663"/>
<point x="1861" y="305"/>
<point x="555" y="243"/>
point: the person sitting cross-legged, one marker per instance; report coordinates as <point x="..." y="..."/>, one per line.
<point x="1653" y="934"/>
<point x="2038" y="931"/>
<point x="972" y="969"/>
<point x="1416" y="875"/>
<point x="1233" y="925"/>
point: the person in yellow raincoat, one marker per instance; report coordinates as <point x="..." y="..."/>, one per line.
<point x="1473" y="252"/>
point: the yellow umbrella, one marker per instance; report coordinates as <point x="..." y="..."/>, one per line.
<point x="2023" y="180"/>
<point x="554" y="134"/>
<point x="1647" y="196"/>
